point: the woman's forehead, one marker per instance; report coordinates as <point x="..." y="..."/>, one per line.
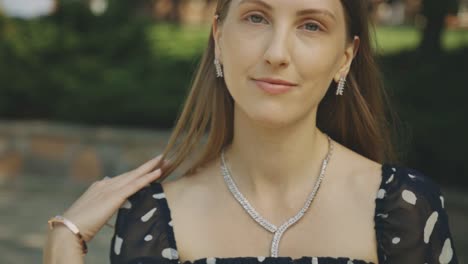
<point x="330" y="9"/>
<point x="331" y="6"/>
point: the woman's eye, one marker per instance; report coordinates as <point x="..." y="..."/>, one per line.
<point x="255" y="18"/>
<point x="312" y="27"/>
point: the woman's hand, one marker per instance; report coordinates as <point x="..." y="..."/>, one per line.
<point x="103" y="198"/>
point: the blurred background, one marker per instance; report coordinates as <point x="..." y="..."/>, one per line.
<point x="90" y="88"/>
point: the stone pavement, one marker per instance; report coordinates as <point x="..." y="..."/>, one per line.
<point x="27" y="203"/>
<point x="25" y="206"/>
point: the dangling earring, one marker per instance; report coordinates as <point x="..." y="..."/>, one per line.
<point x="341" y="85"/>
<point x="219" y="71"/>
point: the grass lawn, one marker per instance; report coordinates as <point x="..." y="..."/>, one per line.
<point x="391" y="40"/>
<point x="188" y="41"/>
<point x="179" y="42"/>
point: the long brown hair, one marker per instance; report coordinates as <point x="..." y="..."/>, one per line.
<point x="357" y="120"/>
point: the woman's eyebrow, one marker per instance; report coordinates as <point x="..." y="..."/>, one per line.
<point x="298" y="13"/>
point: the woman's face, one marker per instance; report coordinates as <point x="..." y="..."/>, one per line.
<point x="302" y="42"/>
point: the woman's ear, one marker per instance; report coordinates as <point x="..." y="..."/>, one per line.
<point x="216" y="37"/>
<point x="356" y="43"/>
<point x="350" y="52"/>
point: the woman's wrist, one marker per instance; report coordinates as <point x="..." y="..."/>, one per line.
<point x="70" y="228"/>
<point x="62" y="236"/>
<point x="62" y="247"/>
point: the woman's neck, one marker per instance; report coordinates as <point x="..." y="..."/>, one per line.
<point x="275" y="162"/>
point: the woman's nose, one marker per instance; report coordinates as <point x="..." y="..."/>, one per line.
<point x="277" y="51"/>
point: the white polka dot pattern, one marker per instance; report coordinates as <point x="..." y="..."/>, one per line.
<point x="315" y="260"/>
<point x="429" y="227"/>
<point x="389" y="179"/>
<point x="447" y="252"/>
<point x="127" y="205"/>
<point x="148" y="238"/>
<point x="159" y="196"/>
<point x="260" y="258"/>
<point x="382" y="215"/>
<point x="426" y="203"/>
<point x="148" y="215"/>
<point x="170" y="253"/>
<point x="409" y="197"/>
<point x="118" y="245"/>
<point x="381" y="194"/>
<point x="211" y="260"/>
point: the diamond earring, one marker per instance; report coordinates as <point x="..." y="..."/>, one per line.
<point x="219" y="71"/>
<point x="341" y="85"/>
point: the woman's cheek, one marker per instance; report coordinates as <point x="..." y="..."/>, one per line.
<point x="242" y="62"/>
<point x="242" y="46"/>
<point x="316" y="62"/>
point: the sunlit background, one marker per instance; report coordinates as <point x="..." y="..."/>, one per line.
<point x="90" y="88"/>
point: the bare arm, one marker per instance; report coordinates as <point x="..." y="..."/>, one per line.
<point x="93" y="209"/>
<point x="62" y="246"/>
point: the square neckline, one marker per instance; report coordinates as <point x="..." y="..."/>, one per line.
<point x="384" y="168"/>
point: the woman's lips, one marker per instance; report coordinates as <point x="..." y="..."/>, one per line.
<point x="272" y="88"/>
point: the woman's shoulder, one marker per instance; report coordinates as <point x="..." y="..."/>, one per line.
<point x="410" y="219"/>
<point x="190" y="187"/>
<point x="143" y="227"/>
<point x="410" y="185"/>
<point x="191" y="195"/>
<point x="409" y="195"/>
<point x="387" y="182"/>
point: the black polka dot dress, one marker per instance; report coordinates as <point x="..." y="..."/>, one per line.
<point x="411" y="227"/>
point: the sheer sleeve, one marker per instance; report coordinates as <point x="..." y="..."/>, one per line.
<point x="411" y="221"/>
<point x="142" y="230"/>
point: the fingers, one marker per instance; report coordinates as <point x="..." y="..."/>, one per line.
<point x="140" y="182"/>
<point x="149" y="165"/>
<point x="165" y="163"/>
<point x="132" y="177"/>
<point x="143" y="169"/>
<point x="102" y="199"/>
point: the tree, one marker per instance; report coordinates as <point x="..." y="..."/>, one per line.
<point x="435" y="12"/>
<point x="174" y="15"/>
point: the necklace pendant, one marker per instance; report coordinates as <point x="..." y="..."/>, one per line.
<point x="277" y="231"/>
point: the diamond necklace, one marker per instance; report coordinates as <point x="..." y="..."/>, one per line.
<point x="278" y="231"/>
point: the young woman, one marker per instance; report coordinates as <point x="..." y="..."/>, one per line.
<point x="289" y="151"/>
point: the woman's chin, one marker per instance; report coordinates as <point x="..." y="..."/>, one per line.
<point x="269" y="115"/>
<point x="271" y="119"/>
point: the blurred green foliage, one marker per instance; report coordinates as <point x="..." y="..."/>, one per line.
<point x="78" y="67"/>
<point x="430" y="97"/>
<point x="395" y="39"/>
<point x="122" y="69"/>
